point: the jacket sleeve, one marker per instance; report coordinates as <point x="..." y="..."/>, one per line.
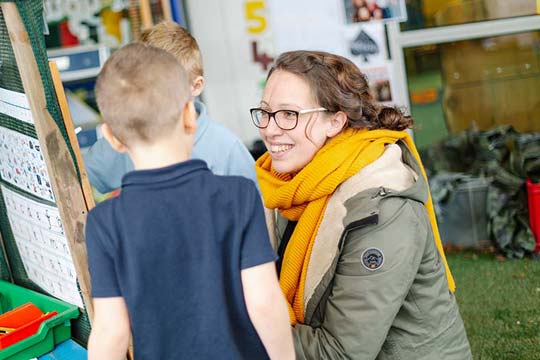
<point x="362" y="302"/>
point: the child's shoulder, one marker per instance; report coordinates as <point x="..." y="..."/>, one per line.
<point x="103" y="210"/>
<point x="235" y="186"/>
<point x="236" y="181"/>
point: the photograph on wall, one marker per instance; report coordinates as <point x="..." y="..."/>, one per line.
<point x="367" y="44"/>
<point x="361" y="11"/>
<point x="45" y="254"/>
<point x="380" y="83"/>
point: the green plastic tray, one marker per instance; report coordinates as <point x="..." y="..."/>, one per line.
<point x="50" y="333"/>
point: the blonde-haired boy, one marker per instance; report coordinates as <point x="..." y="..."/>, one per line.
<point x="181" y="257"/>
<point x="223" y="151"/>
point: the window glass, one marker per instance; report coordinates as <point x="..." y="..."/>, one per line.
<point x="480" y="83"/>
<point x="431" y="13"/>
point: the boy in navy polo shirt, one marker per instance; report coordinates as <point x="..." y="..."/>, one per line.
<point x="182" y="256"/>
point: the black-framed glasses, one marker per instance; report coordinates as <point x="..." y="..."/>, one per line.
<point x="285" y="119"/>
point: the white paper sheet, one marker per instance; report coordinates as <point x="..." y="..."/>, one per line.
<point x="307" y="25"/>
<point x="16" y="105"/>
<point x="22" y="164"/>
<point x="42" y="245"/>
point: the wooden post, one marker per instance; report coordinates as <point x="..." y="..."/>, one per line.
<point x="135" y="18"/>
<point x="68" y="122"/>
<point x="64" y="182"/>
<point x="146" y="14"/>
<point x="166" y="8"/>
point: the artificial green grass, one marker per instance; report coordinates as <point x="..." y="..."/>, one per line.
<point x="500" y="305"/>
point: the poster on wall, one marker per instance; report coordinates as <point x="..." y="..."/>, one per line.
<point x="237" y="46"/>
<point x="366" y="44"/>
<point x="42" y="245"/>
<point x="22" y="164"/>
<point x="260" y="42"/>
<point x="363" y="11"/>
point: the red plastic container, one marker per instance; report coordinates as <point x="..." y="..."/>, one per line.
<point x="66" y="36"/>
<point x="533" y="197"/>
<point x="25" y="320"/>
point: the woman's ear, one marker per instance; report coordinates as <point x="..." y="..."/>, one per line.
<point x="113" y="140"/>
<point x="337" y="123"/>
<point x="197" y="86"/>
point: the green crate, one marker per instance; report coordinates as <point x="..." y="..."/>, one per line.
<point x="50" y="333"/>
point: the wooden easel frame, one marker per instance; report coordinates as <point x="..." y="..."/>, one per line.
<point x="64" y="182"/>
<point x="72" y="199"/>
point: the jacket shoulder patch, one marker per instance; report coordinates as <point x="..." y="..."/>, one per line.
<point x="372" y="258"/>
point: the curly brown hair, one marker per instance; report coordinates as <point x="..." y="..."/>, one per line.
<point x="338" y="85"/>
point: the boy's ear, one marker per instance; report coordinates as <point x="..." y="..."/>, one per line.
<point x="189" y="118"/>
<point x="115" y="143"/>
<point x="197" y="86"/>
<point x="337" y="122"/>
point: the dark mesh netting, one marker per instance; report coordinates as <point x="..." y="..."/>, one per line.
<point x="31" y="12"/>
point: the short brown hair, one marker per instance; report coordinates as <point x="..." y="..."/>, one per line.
<point x="173" y="38"/>
<point x="141" y="93"/>
<point x="338" y="85"/>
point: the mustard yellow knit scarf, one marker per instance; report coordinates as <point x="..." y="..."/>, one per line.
<point x="303" y="198"/>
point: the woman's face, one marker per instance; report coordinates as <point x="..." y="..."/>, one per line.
<point x="291" y="150"/>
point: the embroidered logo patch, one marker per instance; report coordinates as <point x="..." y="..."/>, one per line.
<point x="372" y="258"/>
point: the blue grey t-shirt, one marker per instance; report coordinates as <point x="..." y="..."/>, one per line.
<point x="173" y="245"/>
<point x="222" y="150"/>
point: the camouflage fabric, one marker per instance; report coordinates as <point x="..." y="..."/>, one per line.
<point x="506" y="159"/>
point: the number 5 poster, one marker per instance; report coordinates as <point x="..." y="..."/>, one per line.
<point x="237" y="48"/>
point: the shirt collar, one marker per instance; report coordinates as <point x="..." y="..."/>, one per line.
<point x="164" y="174"/>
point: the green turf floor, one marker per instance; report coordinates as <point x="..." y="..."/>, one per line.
<point x="500" y="305"/>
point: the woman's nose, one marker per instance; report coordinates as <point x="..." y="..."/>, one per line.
<point x="272" y="129"/>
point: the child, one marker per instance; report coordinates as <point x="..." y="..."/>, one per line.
<point x="223" y="151"/>
<point x="181" y="256"/>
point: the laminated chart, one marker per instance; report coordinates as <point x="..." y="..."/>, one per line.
<point x="16" y="105"/>
<point x="22" y="164"/>
<point x="39" y="234"/>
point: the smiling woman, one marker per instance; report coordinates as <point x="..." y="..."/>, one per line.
<point x="287" y="137"/>
<point x="361" y="263"/>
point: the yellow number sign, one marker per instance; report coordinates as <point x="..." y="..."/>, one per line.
<point x="253" y="14"/>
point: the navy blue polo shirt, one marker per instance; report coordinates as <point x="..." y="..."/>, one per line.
<point x="173" y="244"/>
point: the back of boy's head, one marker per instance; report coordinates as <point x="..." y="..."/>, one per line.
<point x="173" y="38"/>
<point x="141" y="93"/>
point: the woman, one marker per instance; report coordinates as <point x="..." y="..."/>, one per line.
<point x="362" y="264"/>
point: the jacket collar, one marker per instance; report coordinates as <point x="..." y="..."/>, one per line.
<point x="355" y="200"/>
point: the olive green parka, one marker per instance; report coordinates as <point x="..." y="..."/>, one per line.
<point x="376" y="285"/>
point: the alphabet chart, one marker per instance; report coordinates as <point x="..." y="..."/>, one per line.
<point x="16" y="105"/>
<point x="22" y="164"/>
<point x="44" y="251"/>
